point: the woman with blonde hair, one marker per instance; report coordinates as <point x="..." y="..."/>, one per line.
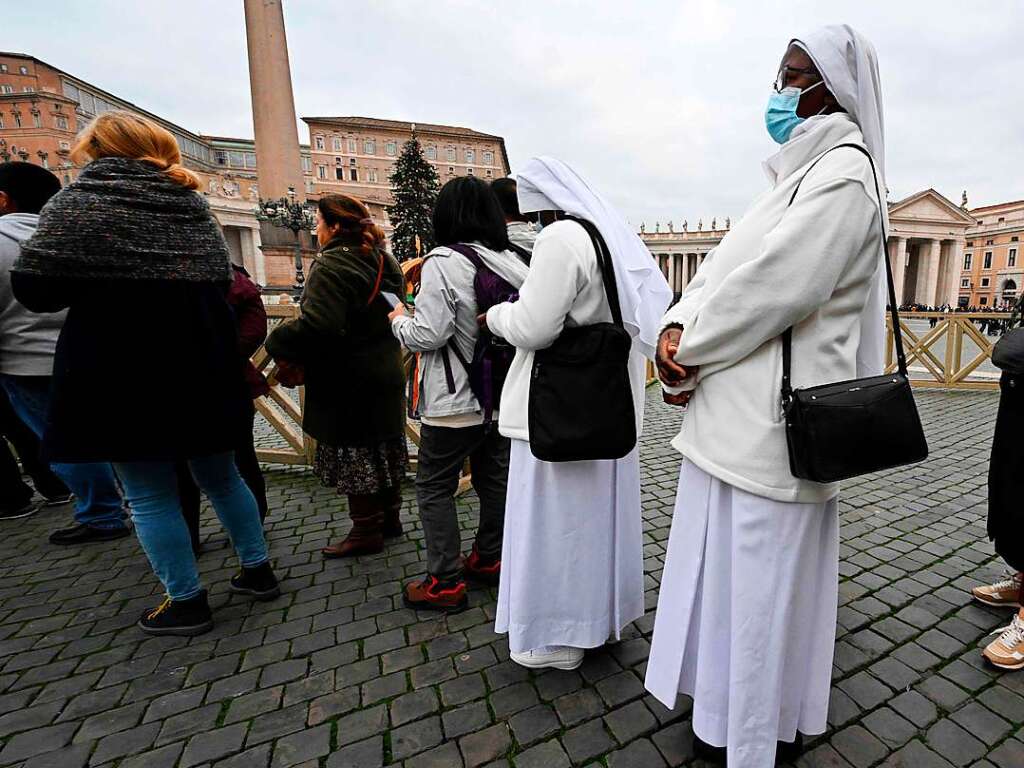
<point x="133" y="254"/>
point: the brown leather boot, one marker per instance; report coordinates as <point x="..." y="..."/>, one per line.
<point x="366" y="537"/>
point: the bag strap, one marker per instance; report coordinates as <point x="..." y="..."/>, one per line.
<point x="523" y="254"/>
<point x="470" y="253"/>
<point x="380" y="277"/>
<point x="787" y="335"/>
<point x="604" y="263"/>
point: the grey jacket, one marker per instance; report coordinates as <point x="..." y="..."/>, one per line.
<point x="446" y="310"/>
<point x="27" y="339"/>
<point x="522" y="234"/>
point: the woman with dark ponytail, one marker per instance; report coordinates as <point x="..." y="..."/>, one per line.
<point x="353" y="372"/>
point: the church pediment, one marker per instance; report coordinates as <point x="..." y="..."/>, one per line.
<point x="929" y="206"/>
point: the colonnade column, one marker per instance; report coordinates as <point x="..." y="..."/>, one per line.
<point x="931" y="265"/>
<point x="898" y="259"/>
<point x="956" y="261"/>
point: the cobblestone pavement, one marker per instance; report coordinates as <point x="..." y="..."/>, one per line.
<point x="337" y="673"/>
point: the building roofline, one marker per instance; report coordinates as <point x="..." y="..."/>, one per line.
<point x="997" y="205"/>
<point x="105" y="93"/>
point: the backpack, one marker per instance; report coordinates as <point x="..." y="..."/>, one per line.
<point x="492" y="356"/>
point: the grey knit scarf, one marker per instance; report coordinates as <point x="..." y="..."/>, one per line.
<point x="125" y="219"/>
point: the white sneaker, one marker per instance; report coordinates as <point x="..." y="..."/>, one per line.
<point x="550" y="657"/>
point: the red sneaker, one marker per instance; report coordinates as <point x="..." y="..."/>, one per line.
<point x="432" y="594"/>
<point x="476" y="568"/>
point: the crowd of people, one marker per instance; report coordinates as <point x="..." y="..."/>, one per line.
<point x="127" y="264"/>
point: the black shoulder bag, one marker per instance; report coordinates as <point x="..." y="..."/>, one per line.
<point x="581" y="400"/>
<point x="851" y="428"/>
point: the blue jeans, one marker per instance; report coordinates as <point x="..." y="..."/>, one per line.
<point x="98" y="501"/>
<point x="152" y="491"/>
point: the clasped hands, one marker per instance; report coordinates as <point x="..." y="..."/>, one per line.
<point x="670" y="372"/>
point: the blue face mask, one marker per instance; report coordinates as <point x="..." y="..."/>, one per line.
<point x="780" y="117"/>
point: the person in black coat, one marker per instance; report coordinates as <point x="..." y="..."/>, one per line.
<point x="147" y="370"/>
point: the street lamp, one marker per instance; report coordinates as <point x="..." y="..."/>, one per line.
<point x="288" y="213"/>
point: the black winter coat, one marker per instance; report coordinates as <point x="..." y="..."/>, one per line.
<point x="355" y="384"/>
<point x="145" y="370"/>
<point x="1006" y="474"/>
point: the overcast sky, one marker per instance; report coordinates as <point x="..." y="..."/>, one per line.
<point x="658" y="102"/>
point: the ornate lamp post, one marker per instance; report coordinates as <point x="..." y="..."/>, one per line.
<point x="288" y="213"/>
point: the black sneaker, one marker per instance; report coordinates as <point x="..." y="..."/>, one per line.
<point x="18" y="511"/>
<point x="184" y="618"/>
<point x="81" y="533"/>
<point x="258" y="582"/>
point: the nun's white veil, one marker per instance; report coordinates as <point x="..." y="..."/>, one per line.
<point x="546" y="184"/>
<point x="849" y="66"/>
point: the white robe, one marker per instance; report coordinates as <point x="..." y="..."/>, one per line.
<point x="572" y="556"/>
<point x="746" y="616"/>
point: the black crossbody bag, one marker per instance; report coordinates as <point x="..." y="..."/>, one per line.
<point x="851" y="428"/>
<point x="581" y="399"/>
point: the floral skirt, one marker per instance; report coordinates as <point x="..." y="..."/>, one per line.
<point x="362" y="471"/>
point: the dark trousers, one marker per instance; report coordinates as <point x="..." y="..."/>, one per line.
<point x="14" y="492"/>
<point x="248" y="467"/>
<point x="443" y="451"/>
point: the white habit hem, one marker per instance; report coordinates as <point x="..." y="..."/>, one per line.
<point x="572" y="556"/>
<point x="746" y="618"/>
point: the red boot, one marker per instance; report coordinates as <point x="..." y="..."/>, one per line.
<point x="483" y="570"/>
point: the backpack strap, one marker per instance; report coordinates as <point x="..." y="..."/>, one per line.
<point x="521" y="252"/>
<point x="470" y="253"/>
<point x="604" y="263"/>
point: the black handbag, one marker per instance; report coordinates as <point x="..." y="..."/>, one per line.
<point x="581" y="400"/>
<point x="1008" y="353"/>
<point x="850" y="428"/>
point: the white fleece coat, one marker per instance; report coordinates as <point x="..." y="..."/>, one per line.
<point x="809" y="266"/>
<point x="564" y="289"/>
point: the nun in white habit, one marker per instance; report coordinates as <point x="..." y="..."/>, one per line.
<point x="572" y="556"/>
<point x="747" y="609"/>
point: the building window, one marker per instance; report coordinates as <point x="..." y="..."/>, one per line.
<point x="1013" y="239"/>
<point x="339" y="174"/>
<point x="37" y="120"/>
<point x="23" y="70"/>
<point x="351" y="146"/>
<point x="965" y="283"/>
<point x="309" y="185"/>
<point x="3" y="67"/>
<point x="488" y="157"/>
<point x="353" y="174"/>
<point x="31" y="89"/>
<point x="62" y="122"/>
<point x="990" y="242"/>
<point x="470" y="156"/>
<point x="17" y="120"/>
<point x="321" y="171"/>
<point x="1011" y="260"/>
<point x="369" y="147"/>
<point x="391" y="148"/>
<point x="336" y="143"/>
<point x="451" y="170"/>
<point x="988" y="260"/>
<point x="337" y="161"/>
<point x="307" y="164"/>
<point x="451" y="154"/>
<point x="1001" y="220"/>
<point x="983" y="300"/>
<point x="1" y="121"/>
<point x="65" y="145"/>
<point x="984" y="282"/>
<point x="968" y="257"/>
<point x="487" y="173"/>
<point x="318" y="142"/>
<point x="371" y="175"/>
<point x="469" y="172"/>
<point x="7" y="88"/>
<point x="431" y="153"/>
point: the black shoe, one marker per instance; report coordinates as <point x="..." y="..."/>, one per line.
<point x="708" y="753"/>
<point x="184" y="618"/>
<point x="82" y="533"/>
<point x="789" y="751"/>
<point x="58" y="499"/>
<point x="18" y="511"/>
<point x="259" y="582"/>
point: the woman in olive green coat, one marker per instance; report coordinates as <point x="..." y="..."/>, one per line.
<point x="353" y="372"/>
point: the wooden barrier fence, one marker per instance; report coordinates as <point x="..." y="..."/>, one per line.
<point x="951" y="354"/>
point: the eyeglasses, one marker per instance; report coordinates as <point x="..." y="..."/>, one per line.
<point x="786" y="71"/>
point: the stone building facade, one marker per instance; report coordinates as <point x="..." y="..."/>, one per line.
<point x="991" y="271"/>
<point x="356" y="156"/>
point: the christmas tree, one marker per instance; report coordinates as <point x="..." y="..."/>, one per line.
<point x="414" y="185"/>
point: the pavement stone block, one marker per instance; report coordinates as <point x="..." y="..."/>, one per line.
<point x="485" y="746"/>
<point x="628" y="722"/>
<point x="587" y="740"/>
<point x="213" y="745"/>
<point x="547" y="755"/>
<point x="363" y="754"/>
<point x="954" y="743"/>
<point x="298" y="748"/>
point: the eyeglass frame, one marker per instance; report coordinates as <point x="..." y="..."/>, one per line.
<point x="786" y="69"/>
